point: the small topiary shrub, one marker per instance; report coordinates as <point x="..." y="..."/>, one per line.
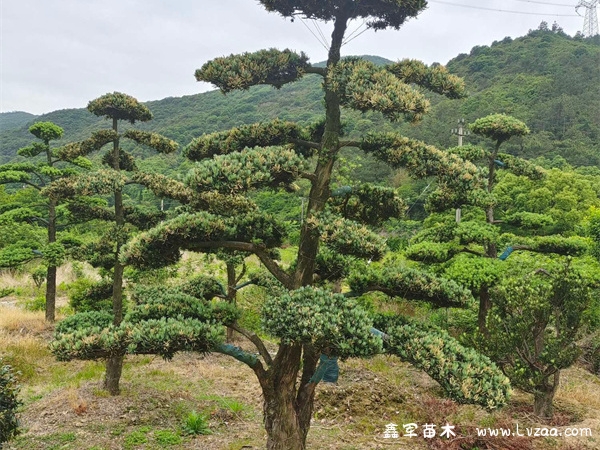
<point x="9" y="389"/>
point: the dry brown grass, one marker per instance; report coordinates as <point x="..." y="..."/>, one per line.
<point x="15" y="280"/>
<point x="13" y="319"/>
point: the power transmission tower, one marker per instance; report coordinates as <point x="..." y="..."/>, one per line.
<point x="461" y="132"/>
<point x="590" y="21"/>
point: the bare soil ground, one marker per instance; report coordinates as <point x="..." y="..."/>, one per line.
<point x="65" y="407"/>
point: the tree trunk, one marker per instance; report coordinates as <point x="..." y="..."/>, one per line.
<point x="51" y="272"/>
<point x="287" y="410"/>
<point x="51" y="294"/>
<point x="114" y="368"/>
<point x="231" y="295"/>
<point x="319" y="192"/>
<point x="485" y="304"/>
<point x="114" y="364"/>
<point x="542" y="406"/>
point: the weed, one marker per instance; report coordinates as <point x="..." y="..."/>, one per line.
<point x="134" y="439"/>
<point x="231" y="404"/>
<point x="196" y="423"/>
<point x="167" y="438"/>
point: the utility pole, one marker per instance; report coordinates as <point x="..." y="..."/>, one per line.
<point x="590" y="21"/>
<point x="461" y="132"/>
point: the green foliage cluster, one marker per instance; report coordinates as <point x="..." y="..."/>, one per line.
<point x="272" y="67"/>
<point x="153" y="140"/>
<point x="101" y="182"/>
<point x="563" y="196"/>
<point x="369" y="204"/>
<point x="347" y="237"/>
<point x="535" y="321"/>
<point x="262" y="134"/>
<point x="363" y="86"/>
<point x="241" y="171"/>
<point x="163" y="337"/>
<point x="156" y="302"/>
<point x="9" y="402"/>
<point x="432" y="252"/>
<point x="196" y="424"/>
<point x="421" y="160"/>
<point x="87" y="295"/>
<point x="161" y="245"/>
<point x="464" y="374"/>
<point x="84" y="320"/>
<point x="473" y="272"/>
<point x="435" y="78"/>
<point x="119" y="106"/>
<point x="400" y="281"/>
<point x="378" y="14"/>
<point x="330" y="322"/>
<point x="499" y="127"/>
<point x="96" y="141"/>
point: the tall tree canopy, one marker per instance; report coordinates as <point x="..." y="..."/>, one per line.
<point x="314" y="325"/>
<point x="51" y="167"/>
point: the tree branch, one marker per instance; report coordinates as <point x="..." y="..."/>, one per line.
<point x="259" y="251"/>
<point x="349" y="144"/>
<point x="31" y="184"/>
<point x="309" y="176"/>
<point x="257" y="341"/>
<point x="308" y="144"/>
<point x="472" y="252"/>
<point x="318" y="70"/>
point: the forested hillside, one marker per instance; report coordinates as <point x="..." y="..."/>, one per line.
<point x="547" y="79"/>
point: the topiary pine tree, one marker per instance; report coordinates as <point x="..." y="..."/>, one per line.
<point x="9" y="403"/>
<point x="121" y="171"/>
<point x="314" y="326"/>
<point x="469" y="249"/>
<point x="535" y="322"/>
<point x="38" y="175"/>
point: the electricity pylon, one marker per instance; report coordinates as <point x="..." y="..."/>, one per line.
<point x="590" y="21"/>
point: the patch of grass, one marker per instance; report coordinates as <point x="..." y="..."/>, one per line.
<point x="24" y="353"/>
<point x="118" y="430"/>
<point x="37" y="303"/>
<point x="166" y="438"/>
<point x="91" y="371"/>
<point x="56" y="441"/>
<point x="238" y="444"/>
<point x="135" y="438"/>
<point x="196" y="423"/>
<point x="232" y="404"/>
<point x="19" y="320"/>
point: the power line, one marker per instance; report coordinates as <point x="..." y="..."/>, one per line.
<point x="354" y="32"/>
<point x="318" y="28"/>
<point x="504" y="10"/>
<point x="351" y="39"/>
<point x="313" y="33"/>
<point x="545" y="3"/>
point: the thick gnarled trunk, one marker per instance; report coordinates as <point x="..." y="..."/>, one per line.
<point x="288" y="407"/>
<point x="543" y="398"/>
<point x="114" y="368"/>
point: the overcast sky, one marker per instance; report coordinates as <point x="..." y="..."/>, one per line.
<point x="59" y="54"/>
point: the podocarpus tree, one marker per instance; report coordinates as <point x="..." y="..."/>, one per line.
<point x="313" y="325"/>
<point x="121" y="171"/>
<point x="469" y="249"/>
<point x="534" y="324"/>
<point x="38" y="175"/>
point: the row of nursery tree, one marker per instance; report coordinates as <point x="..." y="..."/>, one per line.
<point x="529" y="286"/>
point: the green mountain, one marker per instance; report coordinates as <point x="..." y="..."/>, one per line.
<point x="15" y="119"/>
<point x="546" y="78"/>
